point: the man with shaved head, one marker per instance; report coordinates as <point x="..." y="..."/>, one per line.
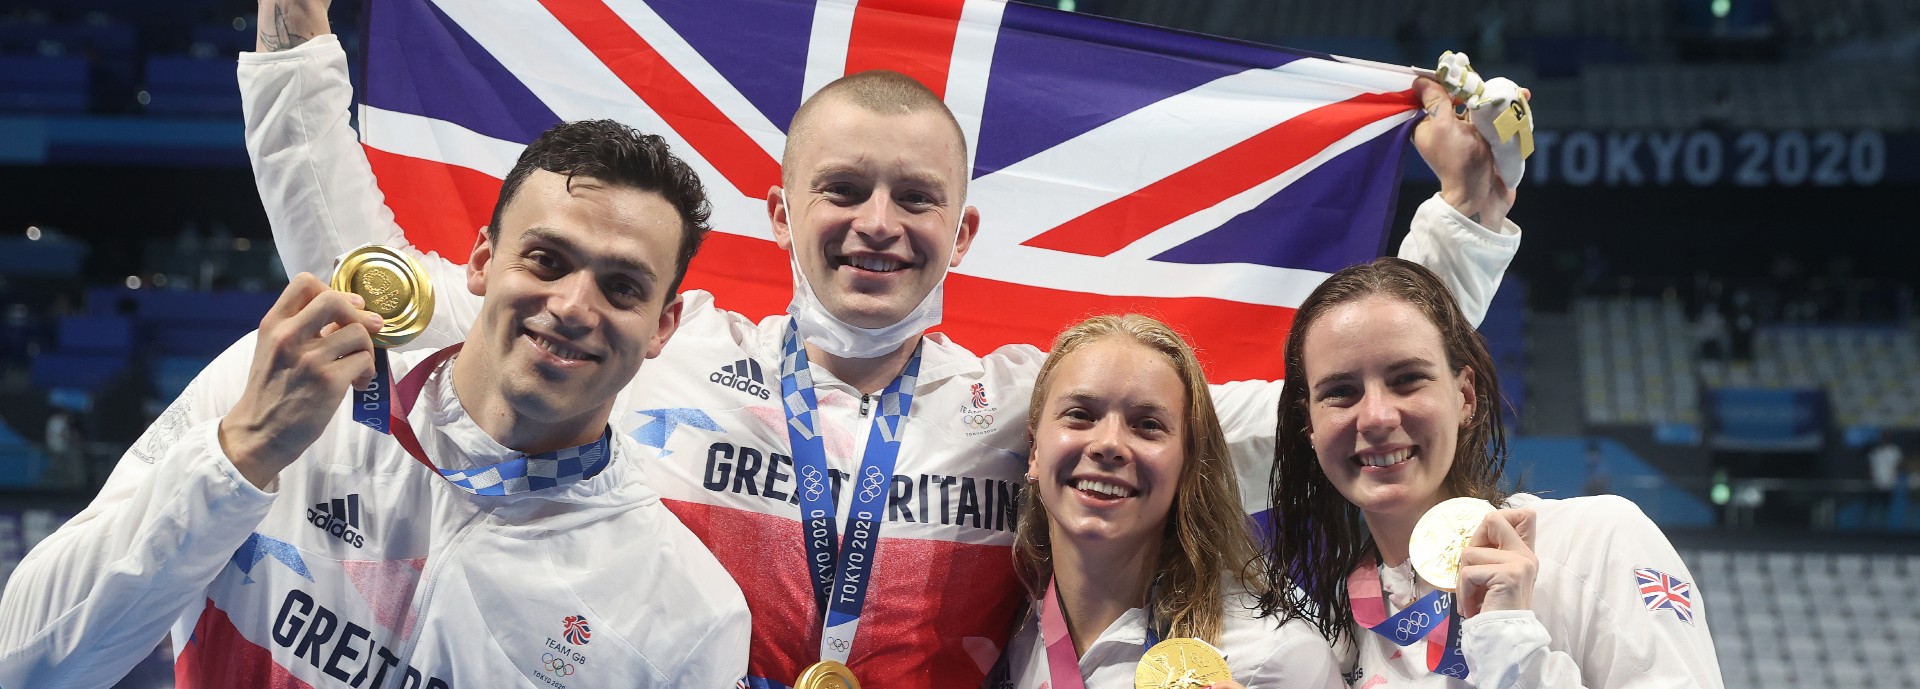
<point x="857" y="475"/>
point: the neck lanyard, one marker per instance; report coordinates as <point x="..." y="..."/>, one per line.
<point x="1433" y="615"/>
<point x="1063" y="663"/>
<point x="510" y="477"/>
<point x="841" y="568"/>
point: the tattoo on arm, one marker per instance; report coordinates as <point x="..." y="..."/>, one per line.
<point x="275" y="36"/>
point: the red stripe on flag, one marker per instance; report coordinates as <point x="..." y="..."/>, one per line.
<point x="1236" y="341"/>
<point x="913" y="37"/>
<point x="1205" y="184"/>
<point x="439" y="206"/>
<point x="688" y="111"/>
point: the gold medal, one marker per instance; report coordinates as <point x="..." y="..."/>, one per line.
<point x="393" y="285"/>
<point x="1441" y="536"/>
<point x="827" y="674"/>
<point x="1180" y="664"/>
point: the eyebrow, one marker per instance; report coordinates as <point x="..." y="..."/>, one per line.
<point x="923" y="178"/>
<point x="1341" y="376"/>
<point x="1085" y="396"/>
<point x="558" y="239"/>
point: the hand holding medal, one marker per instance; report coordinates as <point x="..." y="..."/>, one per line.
<point x="1483" y="554"/>
<point x="309" y="350"/>
<point x="395" y="287"/>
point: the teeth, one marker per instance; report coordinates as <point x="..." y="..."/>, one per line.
<point x="1386" y="459"/>
<point x="875" y="263"/>
<point x="1103" y="488"/>
<point x="557" y="350"/>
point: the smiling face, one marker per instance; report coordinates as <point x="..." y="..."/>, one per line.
<point x="575" y="297"/>
<point x="1385" y="409"/>
<point x="1109" y="445"/>
<point x="871" y="207"/>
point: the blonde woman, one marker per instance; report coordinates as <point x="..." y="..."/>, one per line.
<point x="1132" y="529"/>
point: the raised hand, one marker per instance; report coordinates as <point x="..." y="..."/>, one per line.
<point x="313" y="343"/>
<point x="285" y="24"/>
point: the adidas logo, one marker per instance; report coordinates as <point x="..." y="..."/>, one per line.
<point x="340" y="518"/>
<point x="743" y="375"/>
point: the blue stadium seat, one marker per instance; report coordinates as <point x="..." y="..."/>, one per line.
<point x="47" y="258"/>
<point x="78" y="371"/>
<point x="95" y="335"/>
<point x="192" y="86"/>
<point x="57" y="83"/>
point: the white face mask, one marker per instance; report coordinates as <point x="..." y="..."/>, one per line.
<point x="822" y="329"/>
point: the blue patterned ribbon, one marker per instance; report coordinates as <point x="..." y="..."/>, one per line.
<point x="512" y="476"/>
<point x="843" y="568"/>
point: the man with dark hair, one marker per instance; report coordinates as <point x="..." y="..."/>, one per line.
<point x="503" y="535"/>
<point x="856" y="473"/>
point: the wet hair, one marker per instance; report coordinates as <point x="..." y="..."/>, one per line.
<point x="1319" y="537"/>
<point x="880" y="91"/>
<point x="618" y="155"/>
<point x="1207" y="537"/>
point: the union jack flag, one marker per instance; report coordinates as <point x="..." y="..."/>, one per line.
<point x="1662" y="591"/>
<point x="1117" y="167"/>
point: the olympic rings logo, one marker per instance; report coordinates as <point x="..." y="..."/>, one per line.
<point x="810" y="481"/>
<point x="556" y="665"/>
<point x="1411" y="624"/>
<point x="976" y="421"/>
<point x="838" y="644"/>
<point x="872" y="484"/>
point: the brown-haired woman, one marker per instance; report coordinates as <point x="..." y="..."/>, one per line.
<point x="1390" y="407"/>
<point x="1132" y="528"/>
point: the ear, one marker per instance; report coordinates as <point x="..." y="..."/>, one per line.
<point x="1469" y="400"/>
<point x="969" y="224"/>
<point x="1033" y="461"/>
<point x="669" y="322"/>
<point x="477" y="264"/>
<point x="777" y="214"/>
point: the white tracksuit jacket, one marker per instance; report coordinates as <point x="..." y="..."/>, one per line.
<point x="943" y="595"/>
<point x="364" y="569"/>
<point x="1591" y="625"/>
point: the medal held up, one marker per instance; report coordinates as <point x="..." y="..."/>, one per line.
<point x="395" y="287"/>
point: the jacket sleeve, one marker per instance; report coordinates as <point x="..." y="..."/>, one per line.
<point x="95" y="597"/>
<point x="315" y="182"/>
<point x="1469" y="258"/>
<point x="1612" y="638"/>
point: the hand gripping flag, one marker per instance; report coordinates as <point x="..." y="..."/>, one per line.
<point x="1117" y="167"/>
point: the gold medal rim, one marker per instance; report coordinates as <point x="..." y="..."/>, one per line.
<point x="418" y="310"/>
<point x="1448" y="580"/>
<point x="818" y="674"/>
<point x="1166" y="647"/>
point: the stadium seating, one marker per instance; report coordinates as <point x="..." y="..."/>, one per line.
<point x="1807" y="619"/>
<point x="1636" y="362"/>
<point x="1638" y="365"/>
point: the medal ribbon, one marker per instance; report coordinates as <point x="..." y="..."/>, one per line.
<point x="370" y="405"/>
<point x="513" y="476"/>
<point x="1059" y="642"/>
<point x="841" y="568"/>
<point x="1432" y="615"/>
<point x="1063" y="664"/>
